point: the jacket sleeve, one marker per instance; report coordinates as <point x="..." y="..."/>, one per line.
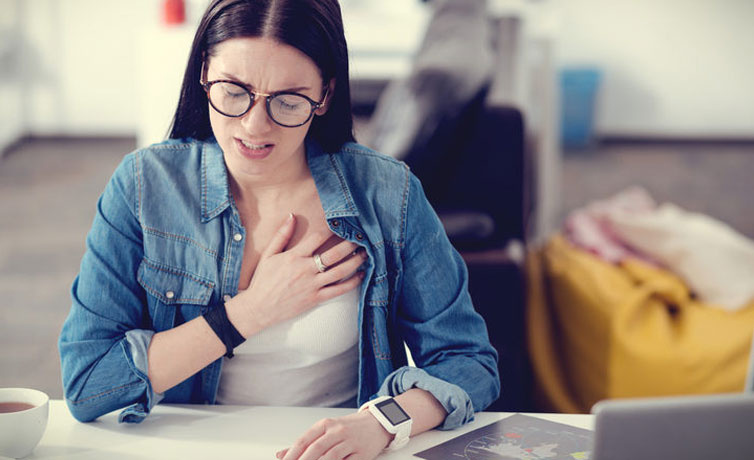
<point x="447" y="337"/>
<point x="104" y="340"/>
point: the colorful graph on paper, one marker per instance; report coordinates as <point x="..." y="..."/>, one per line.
<point x="518" y="437"/>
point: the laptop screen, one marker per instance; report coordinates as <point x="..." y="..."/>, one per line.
<point x="679" y="427"/>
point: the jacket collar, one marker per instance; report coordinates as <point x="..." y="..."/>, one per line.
<point x="332" y="187"/>
<point x="215" y="189"/>
<point x="329" y="179"/>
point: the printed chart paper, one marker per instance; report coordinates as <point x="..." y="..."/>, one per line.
<point x="518" y="437"/>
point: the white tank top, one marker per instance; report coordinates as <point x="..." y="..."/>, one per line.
<point x="310" y="360"/>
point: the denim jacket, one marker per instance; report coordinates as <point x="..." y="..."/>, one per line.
<point x="166" y="246"/>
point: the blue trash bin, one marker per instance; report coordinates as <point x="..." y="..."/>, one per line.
<point x="578" y="91"/>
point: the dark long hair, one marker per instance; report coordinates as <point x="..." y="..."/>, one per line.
<point x="314" y="27"/>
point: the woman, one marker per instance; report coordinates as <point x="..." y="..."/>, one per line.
<point x="260" y="256"/>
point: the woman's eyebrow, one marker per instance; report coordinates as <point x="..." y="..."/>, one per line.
<point x="293" y="89"/>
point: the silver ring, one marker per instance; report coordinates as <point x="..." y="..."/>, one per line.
<point x="321" y="267"/>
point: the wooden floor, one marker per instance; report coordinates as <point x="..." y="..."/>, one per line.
<point x="48" y="193"/>
<point x="49" y="189"/>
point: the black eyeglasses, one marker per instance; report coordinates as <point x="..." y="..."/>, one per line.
<point x="285" y="108"/>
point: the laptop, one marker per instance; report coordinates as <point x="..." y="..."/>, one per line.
<point x="706" y="427"/>
<point x="678" y="427"/>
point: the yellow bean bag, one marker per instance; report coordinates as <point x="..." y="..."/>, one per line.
<point x="597" y="330"/>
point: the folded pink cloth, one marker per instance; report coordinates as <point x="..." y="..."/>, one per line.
<point x="589" y="227"/>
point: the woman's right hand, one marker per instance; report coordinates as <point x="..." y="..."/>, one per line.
<point x="287" y="283"/>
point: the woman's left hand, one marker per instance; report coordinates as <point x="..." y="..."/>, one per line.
<point x="357" y="436"/>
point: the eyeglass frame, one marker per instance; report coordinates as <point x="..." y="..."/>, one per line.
<point x="267" y="97"/>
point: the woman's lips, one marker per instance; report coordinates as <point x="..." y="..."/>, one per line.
<point x="254" y="150"/>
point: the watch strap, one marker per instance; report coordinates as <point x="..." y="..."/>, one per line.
<point x="401" y="431"/>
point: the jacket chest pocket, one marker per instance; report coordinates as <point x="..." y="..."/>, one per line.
<point x="175" y="295"/>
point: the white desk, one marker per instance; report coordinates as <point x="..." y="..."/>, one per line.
<point x="195" y="431"/>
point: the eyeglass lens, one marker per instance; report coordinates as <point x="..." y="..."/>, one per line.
<point x="234" y="100"/>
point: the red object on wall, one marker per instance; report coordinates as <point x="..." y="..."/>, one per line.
<point x="174" y="11"/>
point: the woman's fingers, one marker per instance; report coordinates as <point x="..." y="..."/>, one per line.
<point x="343" y="270"/>
<point x="337" y="253"/>
<point x="328" y="439"/>
<point x="354" y="436"/>
<point x="312" y="434"/>
<point x="339" y="451"/>
<point x="312" y="242"/>
<point x="281" y="237"/>
<point x="334" y="290"/>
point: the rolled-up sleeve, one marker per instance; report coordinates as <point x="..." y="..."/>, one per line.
<point x="103" y="343"/>
<point x="453" y="398"/>
<point x="447" y="337"/>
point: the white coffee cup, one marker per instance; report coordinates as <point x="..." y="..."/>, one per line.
<point x="21" y="430"/>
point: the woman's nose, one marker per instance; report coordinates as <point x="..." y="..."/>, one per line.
<point x="256" y="119"/>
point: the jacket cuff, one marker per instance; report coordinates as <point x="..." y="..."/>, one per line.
<point x="453" y="398"/>
<point x="137" y="341"/>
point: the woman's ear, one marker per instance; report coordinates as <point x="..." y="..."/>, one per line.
<point x="329" y="91"/>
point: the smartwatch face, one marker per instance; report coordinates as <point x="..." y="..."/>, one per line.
<point x="392" y="411"/>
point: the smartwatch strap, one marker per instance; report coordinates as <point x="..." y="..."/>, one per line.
<point x="401" y="431"/>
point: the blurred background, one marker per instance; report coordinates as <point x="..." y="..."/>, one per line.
<point x="603" y="95"/>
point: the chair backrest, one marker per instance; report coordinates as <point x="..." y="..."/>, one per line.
<point x="453" y="63"/>
<point x="466" y="147"/>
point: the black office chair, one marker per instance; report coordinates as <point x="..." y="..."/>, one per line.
<point x="470" y="156"/>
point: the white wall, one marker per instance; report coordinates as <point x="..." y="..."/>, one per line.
<point x="12" y="117"/>
<point x="79" y="73"/>
<point x="671" y="67"/>
<point x="81" y="57"/>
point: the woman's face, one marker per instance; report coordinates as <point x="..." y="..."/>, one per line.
<point x="254" y="146"/>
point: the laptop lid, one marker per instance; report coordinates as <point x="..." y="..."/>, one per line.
<point x="679" y="427"/>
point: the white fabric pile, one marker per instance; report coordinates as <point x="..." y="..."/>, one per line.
<point x="714" y="260"/>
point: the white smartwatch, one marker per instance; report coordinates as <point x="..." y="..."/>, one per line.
<point x="392" y="417"/>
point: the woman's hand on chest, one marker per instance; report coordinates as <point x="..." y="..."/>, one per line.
<point x="287" y="280"/>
